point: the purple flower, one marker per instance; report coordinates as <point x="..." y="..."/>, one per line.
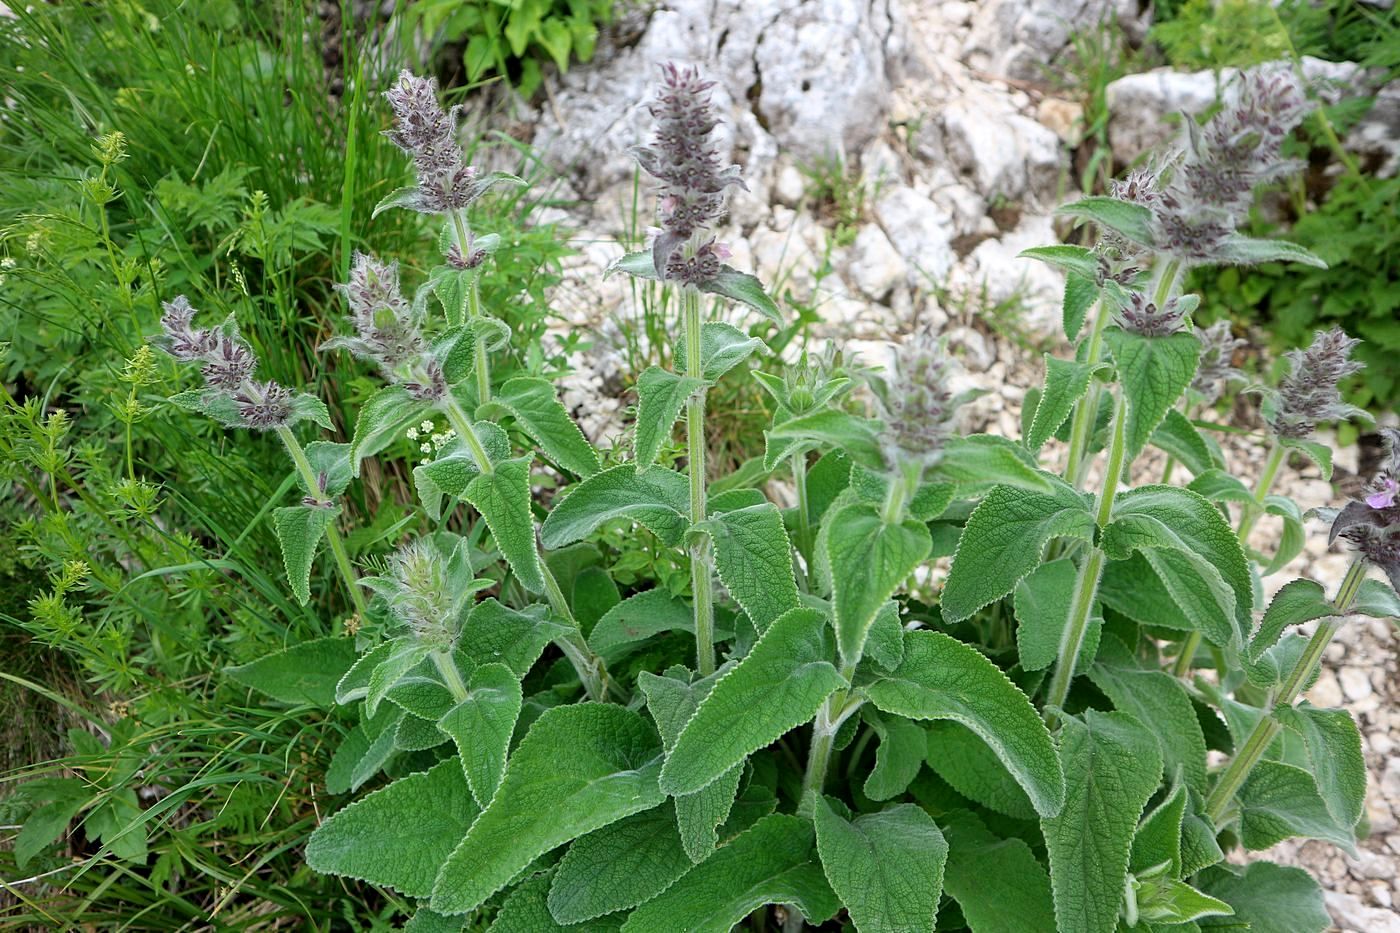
<point x="388" y="329"/>
<point x="264" y="406"/>
<point x="915" y="402"/>
<point x="1216" y="369"/>
<point x="1308" y="394"/>
<point x="1140" y="315"/>
<point x="1373" y="525"/>
<point x="1383" y="493"/>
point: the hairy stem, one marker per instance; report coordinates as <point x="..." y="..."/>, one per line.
<point x="1250" y="514"/>
<point x="833" y="714"/>
<point x="804" y="520"/>
<point x="457" y="417"/>
<point x="1238" y="771"/>
<point x="700" y="553"/>
<point x="442" y="660"/>
<point x="1087" y="408"/>
<point x="333" y="538"/>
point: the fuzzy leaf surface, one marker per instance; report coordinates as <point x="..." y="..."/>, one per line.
<point x="942" y="678"/>
<point x="1280" y="801"/>
<point x="503" y="499"/>
<point x="978" y="462"/>
<point x="637" y="618"/>
<point x="537" y="410"/>
<point x="382" y="419"/>
<point x="299" y="532"/>
<point x="1269" y="898"/>
<point x="722" y="347"/>
<point x="304" y="673"/>
<point x="887" y="867"/>
<point x="513" y="637"/>
<point x="753" y="557"/>
<point x="898" y="757"/>
<point x="661" y="395"/>
<point x="999" y="884"/>
<point x="657" y="498"/>
<point x="1065" y="383"/>
<point x="482" y="725"/>
<point x="1131" y="220"/>
<point x="618" y="867"/>
<point x="869" y="560"/>
<point x="1334" y="750"/>
<point x="745" y="289"/>
<point x="526" y="910"/>
<point x="1153" y="372"/>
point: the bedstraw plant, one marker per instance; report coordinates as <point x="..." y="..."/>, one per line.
<point x="797" y="740"/>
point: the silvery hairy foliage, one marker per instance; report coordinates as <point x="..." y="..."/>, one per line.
<point x="1066" y="724"/>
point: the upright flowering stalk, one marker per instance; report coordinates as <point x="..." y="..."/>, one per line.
<point x="233" y="396"/>
<point x="917" y="409"/>
<point x="683" y="158"/>
<point x="1216" y="370"/>
<point x="446" y="185"/>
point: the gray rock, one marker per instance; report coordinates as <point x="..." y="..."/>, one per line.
<point x="1006" y="155"/>
<point x="1351" y="914"/>
<point x="1139" y="105"/>
<point x="1017" y="38"/>
<point x="1356" y="685"/>
<point x="920" y="232"/>
<point x="875" y="265"/>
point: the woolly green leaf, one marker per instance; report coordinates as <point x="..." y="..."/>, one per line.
<point x="886" y="867"/>
<point x="1112" y="765"/>
<point x="383" y="418"/>
<point x="660" y="397"/>
<point x="408" y="653"/>
<point x="1219" y="486"/>
<point x="330" y="463"/>
<point x="1066" y="381"/>
<point x="778" y="686"/>
<point x="303" y="673"/>
<point x="1178" y="437"/>
<point x="618" y="867"/>
<point x="1042" y="607"/>
<point x="526" y="910"/>
<point x="307" y="407"/>
<point x="998" y="883"/>
<point x="769" y="863"/>
<point x="1376" y="600"/>
<point x="869" y="560"/>
<point x="482" y="725"/>
<point x="415" y="734"/>
<point x="1077" y="259"/>
<point x="398" y="836"/>
<point x="513" y="637"/>
<point x="1003" y="541"/>
<point x="1159" y="698"/>
<point x="1319" y="454"/>
<point x="942" y="678"/>
<point x="354" y="684"/>
<point x="722" y="347"/>
<point x="541" y="415"/>
<point x="1080" y="294"/>
<point x="962" y="759"/>
<point x="407" y="197"/>
<point x="746" y="289"/>
<point x="1267" y="898"/>
<point x="885" y="642"/>
<point x="1279" y="801"/>
<point x="657" y="498"/>
<point x="981" y="461"/>
<point x="1293" y="537"/>
<point x="829" y="427"/>
<point x="1153" y="372"/>
<point x="578" y="769"/>
<point x="672" y="703"/>
<point x="899" y="756"/>
<point x="1296" y="602"/>
<point x="452" y="470"/>
<point x="299" y="532"/>
<point x="1157" y="840"/>
<point x="1334" y="751"/>
<point x="1160" y="901"/>
<point x="1246" y="251"/>
<point x="503" y="499"/>
<point x="638" y="618"/>
<point x="1131" y="220"/>
<point x="754" y="560"/>
<point x="640" y="265"/>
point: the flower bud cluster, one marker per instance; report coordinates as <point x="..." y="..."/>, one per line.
<point x="1308" y="394"/>
<point x="1372" y="524"/>
<point x="388" y="329"/>
<point x="420" y="595"/>
<point x="1199" y="197"/>
<point x="228" y="368"/>
<point x="685" y="160"/>
<point x="429" y="134"/>
<point x="1216" y="370"/>
<point x="1140" y="314"/>
<point x="915" y="403"/>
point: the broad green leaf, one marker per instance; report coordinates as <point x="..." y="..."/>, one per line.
<point x="1279" y="801"/>
<point x="541" y="415"/>
<point x="366" y="750"/>
<point x="482" y="725"/>
<point x="503" y="499"/>
<point x="858" y="437"/>
<point x="331" y="464"/>
<point x="398" y="836"/>
<point x="898" y="757"/>
<point x="869" y="560"/>
<point x="978" y="462"/>
<point x="1219" y="486"/>
<point x="1334" y="751"/>
<point x="578" y="769"/>
<point x="513" y="637"/>
<point x="744" y="288"/>
<point x="970" y="767"/>
<point x="778" y="686"/>
<point x="1178" y="437"/>
<point x="753" y="557"/>
<point x="637" y="618"/>
<point x="451" y="472"/>
<point x="45" y="825"/>
<point x="383" y="418"/>
<point x="1066" y="381"/>
<point x="657" y="498"/>
<point x="1153" y="373"/>
<point x="1112" y="767"/>
<point x="1293" y="536"/>
<point x="1042" y="606"/>
<point x="415" y="735"/>
<point x="660" y="397"/>
<point x="618" y="867"/>
<point x="304" y="673"/>
<point x="769" y="863"/>
<point x="1077" y="259"/>
<point x="1132" y="588"/>
<point x="1319" y="454"/>
<point x="1157" y="697"/>
<point x="408" y="653"/>
<point x="672" y="702"/>
<point x="1245" y="251"/>
<point x="307" y="407"/>
<point x="526" y="910"/>
<point x="942" y="678"/>
<point x="885" y="643"/>
<point x="1296" y="602"/>
<point x="1131" y="220"/>
<point x="1157" y="840"/>
<point x="998" y="883"/>
<point x="1080" y="294"/>
<point x="1377" y="600"/>
<point x="722" y="347"/>
<point x="408" y="197"/>
<point x="299" y="532"/>
<point x="1003" y="541"/>
<point x="886" y="867"/>
<point x="1268" y="898"/>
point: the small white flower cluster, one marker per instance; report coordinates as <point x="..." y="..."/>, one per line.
<point x="6" y="264"/>
<point x="430" y="441"/>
